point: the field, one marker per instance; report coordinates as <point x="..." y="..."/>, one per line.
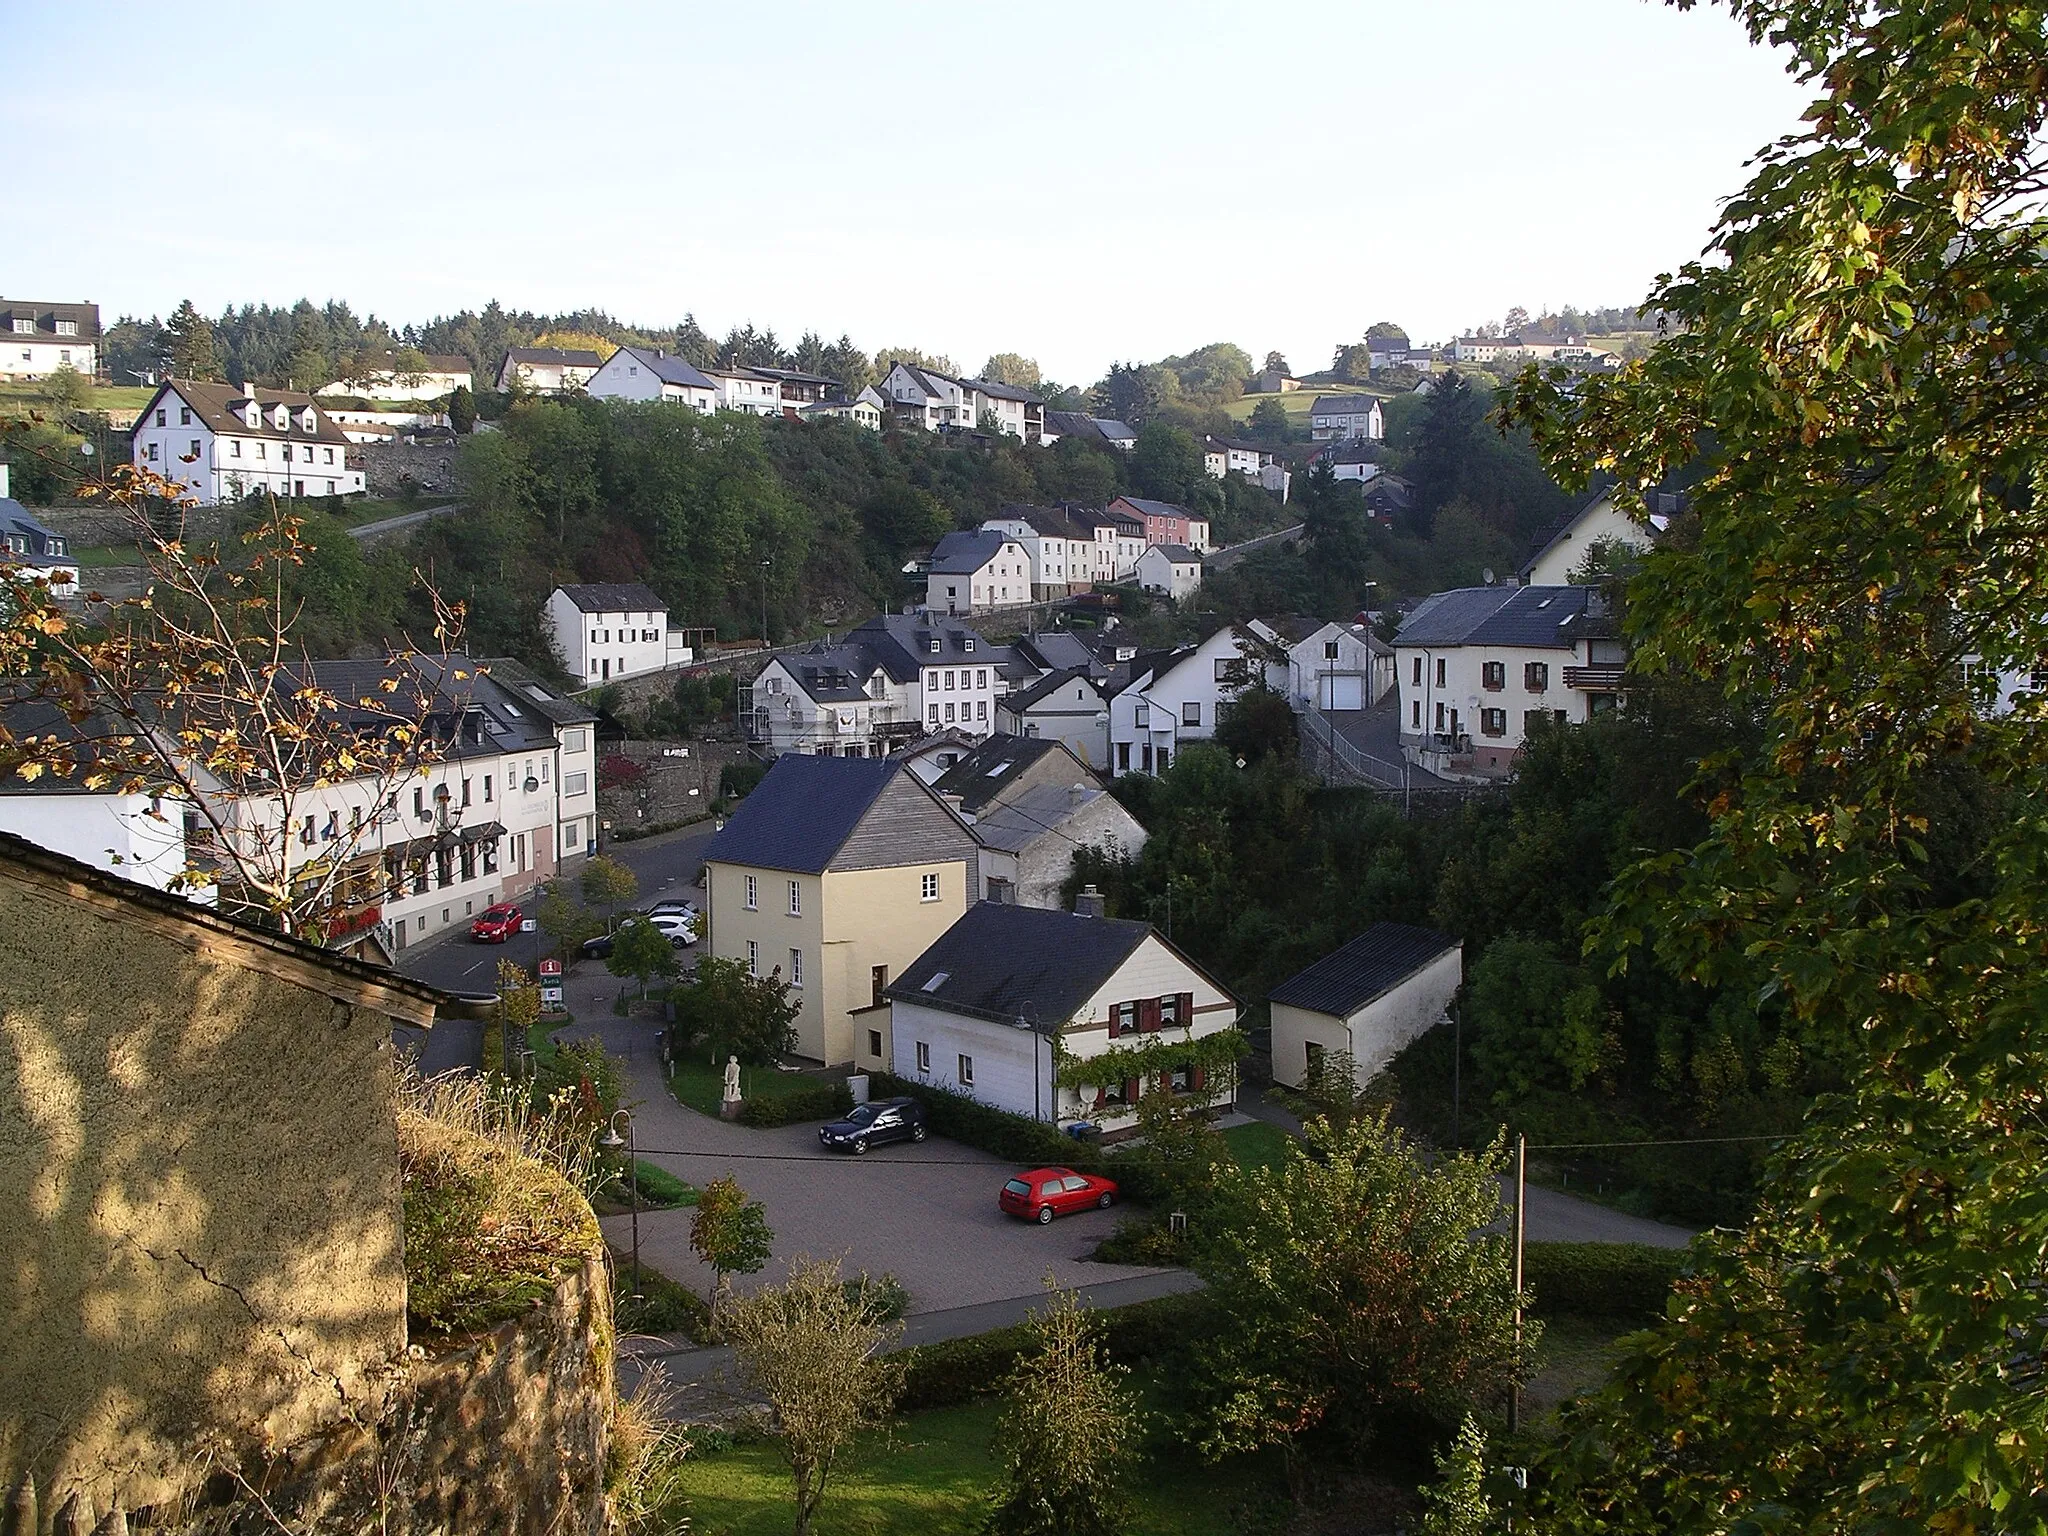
<point x="1296" y="402"/>
<point x="123" y="397"/>
<point x="1257" y="1145"/>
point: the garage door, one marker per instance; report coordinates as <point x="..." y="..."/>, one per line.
<point x="1343" y="693"/>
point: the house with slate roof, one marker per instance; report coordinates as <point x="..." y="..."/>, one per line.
<point x="1334" y="416"/>
<point x="833" y="875"/>
<point x="1175" y="697"/>
<point x="1480" y="668"/>
<point x="1070" y="706"/>
<point x="640" y="373"/>
<point x="1165" y="523"/>
<point x="607" y="629"/>
<point x="1101" y="431"/>
<point x="223" y="443"/>
<point x="924" y="397"/>
<point x="880" y="687"/>
<point x="1172" y="570"/>
<point x="1060" y="543"/>
<point x="1032" y="803"/>
<point x="995" y="1002"/>
<point x="32" y="548"/>
<point x="975" y="571"/>
<point x="1561" y="550"/>
<point x="1387" y="987"/>
<point x="547" y="370"/>
<point x="38" y="338"/>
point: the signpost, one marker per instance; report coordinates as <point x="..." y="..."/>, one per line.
<point x="551" y="985"/>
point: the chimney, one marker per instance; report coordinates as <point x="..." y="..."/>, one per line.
<point x="1089" y="903"/>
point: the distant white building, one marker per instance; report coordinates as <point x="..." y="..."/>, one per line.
<point x="1338" y="666"/>
<point x="224" y="443"/>
<point x="1227" y="455"/>
<point x="865" y="409"/>
<point x="634" y="373"/>
<point x="1335" y="416"/>
<point x="443" y="374"/>
<point x="603" y="630"/>
<point x="1059" y="543"/>
<point x="36" y="339"/>
<point x="547" y="370"/>
<point x="1175" y="698"/>
<point x="1564" y="548"/>
<point x="752" y="391"/>
<point x="886" y="683"/>
<point x="972" y="572"/>
<point x="1172" y="570"/>
<point x="924" y="397"/>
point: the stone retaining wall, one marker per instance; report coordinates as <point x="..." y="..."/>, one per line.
<point x="393" y="469"/>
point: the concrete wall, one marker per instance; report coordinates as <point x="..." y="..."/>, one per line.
<point x="199" y="1166"/>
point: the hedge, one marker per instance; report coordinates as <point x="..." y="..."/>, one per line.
<point x="1030" y="1143"/>
<point x="817" y="1101"/>
<point x="1601" y="1279"/>
<point x="956" y="1371"/>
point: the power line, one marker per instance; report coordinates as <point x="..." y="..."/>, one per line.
<point x="1696" y="1141"/>
<point x="801" y="1157"/>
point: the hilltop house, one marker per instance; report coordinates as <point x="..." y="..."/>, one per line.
<point x="865" y="409"/>
<point x="634" y="373"/>
<point x="885" y="683"/>
<point x="1102" y="431"/>
<point x="924" y="397"/>
<point x="1172" y="570"/>
<point x="603" y="630"/>
<point x="834" y="874"/>
<point x="547" y="370"/>
<point x="1387" y="987"/>
<point x="223" y="443"/>
<point x="1165" y="523"/>
<point x="36" y="339"/>
<point x="1480" y="667"/>
<point x="751" y="391"/>
<point x="386" y="378"/>
<point x="1334" y="416"/>
<point x="1393" y="352"/>
<point x="1225" y="455"/>
<point x="996" y="1003"/>
<point x="972" y="572"/>
<point x="1067" y="706"/>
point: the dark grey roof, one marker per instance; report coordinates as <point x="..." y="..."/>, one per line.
<point x="962" y="553"/>
<point x="1057" y="649"/>
<point x="996" y="391"/>
<point x="1080" y="424"/>
<point x="902" y="643"/>
<point x="1343" y="405"/>
<point x="1526" y="616"/>
<point x="1388" y="344"/>
<point x="1157" y="508"/>
<point x="219" y="407"/>
<point x="992" y="767"/>
<point x="1002" y="961"/>
<point x="15" y="518"/>
<point x="1113" y="429"/>
<point x="1558" y="531"/>
<point x="1057" y="522"/>
<point x="1375" y="962"/>
<point x="615" y="597"/>
<point x="528" y="689"/>
<point x="1015" y="824"/>
<point x="24" y="718"/>
<point x="1179" y="554"/>
<point x="85" y="316"/>
<point x="569" y="357"/>
<point x="802" y="812"/>
<point x="670" y="370"/>
<point x="833" y="674"/>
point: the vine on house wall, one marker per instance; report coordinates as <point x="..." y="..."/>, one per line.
<point x="1157" y="1056"/>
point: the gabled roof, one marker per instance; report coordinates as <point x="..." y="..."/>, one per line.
<point x="1343" y="405"/>
<point x="614" y="597"/>
<point x="1157" y="508"/>
<point x="1014" y="825"/>
<point x="670" y="370"/>
<point x="1388" y="344"/>
<point x="1524" y="616"/>
<point x="1002" y="962"/>
<point x="1037" y="693"/>
<point x="1081" y="424"/>
<point x="85" y="316"/>
<point x="219" y="407"/>
<point x="1371" y="965"/>
<point x="567" y="357"/>
<point x="524" y="686"/>
<point x="802" y="812"/>
<point x="1561" y="530"/>
<point x="902" y="643"/>
<point x="997" y="391"/>
<point x="1054" y="522"/>
<point x="997" y="763"/>
<point x="1058" y="649"/>
<point x="1113" y="429"/>
<point x="15" y="518"/>
<point x="1179" y="554"/>
<point x="962" y="553"/>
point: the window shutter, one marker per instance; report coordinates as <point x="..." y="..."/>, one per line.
<point x="1186" y="1010"/>
<point x="1131" y="1092"/>
<point x="1197" y="1079"/>
<point x="1148" y="1015"/>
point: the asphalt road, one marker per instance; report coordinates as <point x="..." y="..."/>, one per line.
<point x="1232" y="553"/>
<point x="397" y="524"/>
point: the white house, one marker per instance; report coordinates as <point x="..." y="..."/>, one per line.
<point x="1059" y="543"/>
<point x="1484" y="349"/>
<point x="1339" y="666"/>
<point x="752" y="391"/>
<point x="1561" y="553"/>
<point x="36" y="339"/>
<point x="1333" y="416"/>
<point x="1227" y="455"/>
<point x="865" y="409"/>
<point x="224" y="443"/>
<point x="30" y="548"/>
<point x="1479" y="667"/>
<point x="1175" y="697"/>
<point x="1393" y="352"/>
<point x="576" y="763"/>
<point x="387" y="379"/>
<point x="1005" y="994"/>
<point x="634" y="373"/>
<point x="924" y="397"/>
<point x="1387" y="987"/>
<point x="1351" y="458"/>
<point x="893" y="679"/>
<point x="602" y="630"/>
<point x="547" y="370"/>
<point x="972" y="572"/>
<point x="1119" y="540"/>
<point x="1173" y="570"/>
<point x="1031" y="803"/>
<point x="1067" y="706"/>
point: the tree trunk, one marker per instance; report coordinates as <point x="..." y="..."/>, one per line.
<point x="806" y="1497"/>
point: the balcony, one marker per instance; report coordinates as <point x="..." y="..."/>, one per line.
<point x="1598" y="677"/>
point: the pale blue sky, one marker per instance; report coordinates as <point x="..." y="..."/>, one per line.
<point x="1077" y="182"/>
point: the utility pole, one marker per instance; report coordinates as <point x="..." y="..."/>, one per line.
<point x="1521" y="1226"/>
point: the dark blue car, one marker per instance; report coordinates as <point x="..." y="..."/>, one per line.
<point x="870" y="1124"/>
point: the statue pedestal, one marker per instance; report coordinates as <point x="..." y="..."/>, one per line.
<point x="729" y="1110"/>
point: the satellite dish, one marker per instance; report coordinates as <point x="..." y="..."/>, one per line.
<point x="1487" y="574"/>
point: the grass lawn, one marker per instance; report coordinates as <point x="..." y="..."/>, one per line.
<point x="1573" y="1356"/>
<point x="702" y="1086"/>
<point x="1257" y="1145"/>
<point x="929" y="1474"/>
<point x="1296" y="402"/>
<point x="120" y="397"/>
<point x="116" y="554"/>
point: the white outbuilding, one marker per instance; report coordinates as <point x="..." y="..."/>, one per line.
<point x="1387" y="987"/>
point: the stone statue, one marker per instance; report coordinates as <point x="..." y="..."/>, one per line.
<point x="732" y="1079"/>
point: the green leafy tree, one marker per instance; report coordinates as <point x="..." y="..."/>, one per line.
<point x="462" y="411"/>
<point x="1067" y="1437"/>
<point x="728" y="1012"/>
<point x="190" y="343"/>
<point x="607" y="883"/>
<point x="1385" y="330"/>
<point x="1257" y="723"/>
<point x="1012" y="368"/>
<point x="1167" y="463"/>
<point x="1359" y="1280"/>
<point x="1134" y="394"/>
<point x="1457" y="1501"/>
<point x="642" y="951"/>
<point x="1269" y="421"/>
<point x="1276" y="362"/>
<point x="812" y="1347"/>
<point x="565" y="919"/>
<point x="1861" y="344"/>
<point x="66" y="388"/>
<point x="730" y="1233"/>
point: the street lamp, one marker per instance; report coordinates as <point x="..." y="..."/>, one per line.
<point x="1037" y="1103"/>
<point x="611" y="1141"/>
<point x="766" y="563"/>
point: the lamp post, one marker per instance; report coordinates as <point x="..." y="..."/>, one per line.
<point x="611" y="1141"/>
<point x="766" y="563"/>
<point x="1037" y="1103"/>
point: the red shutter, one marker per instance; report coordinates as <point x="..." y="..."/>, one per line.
<point x="1148" y="1015"/>
<point x="1197" y="1079"/>
<point x="1186" y="1010"/>
<point x="1131" y="1092"/>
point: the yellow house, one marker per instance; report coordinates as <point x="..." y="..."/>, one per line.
<point x="835" y="874"/>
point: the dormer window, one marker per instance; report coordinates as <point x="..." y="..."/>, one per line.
<point x="935" y="646"/>
<point x="253" y="415"/>
<point x="281" y="417"/>
<point x="307" y="419"/>
<point x="24" y="327"/>
<point x="968" y="643"/>
<point x="67" y="327"/>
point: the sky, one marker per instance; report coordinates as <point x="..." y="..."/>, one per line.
<point x="1080" y="183"/>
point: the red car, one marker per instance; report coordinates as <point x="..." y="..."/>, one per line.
<point x="497" y="924"/>
<point x="1044" y="1193"/>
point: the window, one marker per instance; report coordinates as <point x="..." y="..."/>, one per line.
<point x="1123" y="757"/>
<point x="981" y="709"/>
<point x="981" y="677"/>
<point x="935" y="643"/>
<point x="1329" y="650"/>
<point x="572" y="741"/>
<point x="465" y="791"/>
<point x="924" y="1057"/>
<point x="572" y="784"/>
<point x="1534" y="720"/>
<point x="753" y="958"/>
<point x="750" y="893"/>
<point x="151" y="455"/>
<point x="934" y="714"/>
<point x="966" y="1071"/>
<point x="1415" y="715"/>
<point x="1169" y="1012"/>
<point x="330" y="455"/>
<point x="544" y="765"/>
<point x="1231" y="669"/>
<point x="796" y="967"/>
<point x="928" y="887"/>
<point x="1493" y="722"/>
<point x="1440" y="717"/>
<point x="1493" y="675"/>
<point x="878" y="982"/>
<point x="949" y="713"/>
<point x="162" y="417"/>
<point x="184" y="415"/>
<point x="1141" y="716"/>
<point x="1123" y="1019"/>
<point x="1536" y="676"/>
<point x="234" y="447"/>
<point x="306" y="833"/>
<point x="796" y="899"/>
<point x="1165" y="757"/>
<point x="1440" y="672"/>
<point x="24" y="328"/>
<point x="1191" y="712"/>
<point x="949" y="679"/>
<point x="875" y="1043"/>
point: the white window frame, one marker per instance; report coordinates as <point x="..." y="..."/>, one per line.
<point x="928" y="886"/>
<point x="751" y="892"/>
<point x="796" y="899"/>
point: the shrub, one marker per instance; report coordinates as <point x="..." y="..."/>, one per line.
<point x="959" y="1370"/>
<point x="819" y="1101"/>
<point x="1601" y="1279"/>
<point x="737" y="780"/>
<point x="663" y="1305"/>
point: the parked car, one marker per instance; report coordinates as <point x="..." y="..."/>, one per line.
<point x="680" y="931"/>
<point x="672" y="904"/>
<point x="1044" y="1193"/>
<point x="599" y="948"/>
<point x="497" y="924"/>
<point x="868" y="1124"/>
